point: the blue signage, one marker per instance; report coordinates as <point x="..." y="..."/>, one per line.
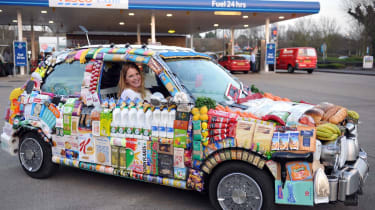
<point x="271" y="53"/>
<point x="20" y="53"/>
<point x="274" y="6"/>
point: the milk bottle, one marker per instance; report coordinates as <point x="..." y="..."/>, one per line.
<point x="163" y="123"/>
<point x="139" y="124"/>
<point x="116" y="120"/>
<point x="171" y="118"/>
<point x="124" y="121"/>
<point x="132" y="122"/>
<point x="147" y="125"/>
<point x="155" y="122"/>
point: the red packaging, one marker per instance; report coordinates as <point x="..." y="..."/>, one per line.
<point x="232" y="129"/>
<point x="218" y="113"/>
<point x="215" y="119"/>
<point x="217" y="137"/>
<point x="217" y="125"/>
<point x="214" y="132"/>
<point x="180" y="124"/>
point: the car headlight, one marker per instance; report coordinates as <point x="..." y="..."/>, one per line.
<point x="330" y="154"/>
<point x="343" y="142"/>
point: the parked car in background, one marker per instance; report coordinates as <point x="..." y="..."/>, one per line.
<point x="235" y="63"/>
<point x="299" y="58"/>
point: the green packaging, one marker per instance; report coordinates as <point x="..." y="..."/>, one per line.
<point x="180" y="138"/>
<point x="197" y="150"/>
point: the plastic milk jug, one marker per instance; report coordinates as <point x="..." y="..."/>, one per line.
<point x="139" y="124"/>
<point x="155" y="122"/>
<point x="116" y="120"/>
<point x="163" y="123"/>
<point x="124" y="122"/>
<point x="147" y="125"/>
<point x="171" y="118"/>
<point x="132" y="122"/>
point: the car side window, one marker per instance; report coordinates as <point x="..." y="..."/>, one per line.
<point x="152" y="81"/>
<point x="65" y="79"/>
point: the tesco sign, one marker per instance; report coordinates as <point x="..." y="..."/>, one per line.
<point x="103" y="4"/>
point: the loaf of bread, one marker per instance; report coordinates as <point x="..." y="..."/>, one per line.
<point x="316" y="113"/>
<point x="339" y="116"/>
<point x="330" y="112"/>
<point x="325" y="106"/>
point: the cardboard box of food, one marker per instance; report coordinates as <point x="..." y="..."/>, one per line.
<point x="152" y="158"/>
<point x="136" y="155"/>
<point x="263" y="137"/>
<point x="178" y="158"/>
<point x="86" y="148"/>
<point x="103" y="151"/>
<point x="166" y="165"/>
<point x="245" y="133"/>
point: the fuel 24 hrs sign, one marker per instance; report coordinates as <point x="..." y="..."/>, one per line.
<point x="20" y="53"/>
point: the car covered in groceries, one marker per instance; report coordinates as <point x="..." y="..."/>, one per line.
<point x="201" y="130"/>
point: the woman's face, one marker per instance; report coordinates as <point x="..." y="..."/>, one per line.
<point x="133" y="78"/>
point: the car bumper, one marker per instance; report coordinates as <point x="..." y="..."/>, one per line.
<point x="239" y="68"/>
<point x="350" y="180"/>
<point x="300" y="66"/>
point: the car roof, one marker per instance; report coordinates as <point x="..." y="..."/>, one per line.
<point x="156" y="48"/>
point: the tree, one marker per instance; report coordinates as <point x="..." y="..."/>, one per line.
<point x="364" y="13"/>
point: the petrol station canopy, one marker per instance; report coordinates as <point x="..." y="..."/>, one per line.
<point x="179" y="17"/>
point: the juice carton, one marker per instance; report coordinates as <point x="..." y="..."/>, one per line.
<point x="67" y="119"/>
<point x="152" y="157"/>
<point x="86" y="148"/>
<point x="166" y="165"/>
<point x="103" y="151"/>
<point x="115" y="156"/>
<point x="122" y="158"/>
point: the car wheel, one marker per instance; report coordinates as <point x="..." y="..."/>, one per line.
<point x="290" y="69"/>
<point x="246" y="72"/>
<point x="310" y="71"/>
<point x="35" y="156"/>
<point x="238" y="185"/>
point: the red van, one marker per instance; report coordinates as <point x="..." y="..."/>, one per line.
<point x="235" y="63"/>
<point x="298" y="58"/>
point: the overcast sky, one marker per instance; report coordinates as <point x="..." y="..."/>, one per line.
<point x="334" y="9"/>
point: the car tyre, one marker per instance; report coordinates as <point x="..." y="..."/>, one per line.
<point x="290" y="69"/>
<point x="258" y="192"/>
<point x="310" y="71"/>
<point x="35" y="156"/>
<point x="246" y="72"/>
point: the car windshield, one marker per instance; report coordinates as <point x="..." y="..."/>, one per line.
<point x="202" y="77"/>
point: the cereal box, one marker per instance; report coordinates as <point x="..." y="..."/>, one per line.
<point x="166" y="165"/>
<point x="178" y="157"/>
<point x="179" y="138"/>
<point x="136" y="157"/>
<point x="86" y="148"/>
<point x="152" y="157"/>
<point x="180" y="173"/>
<point x="103" y="151"/>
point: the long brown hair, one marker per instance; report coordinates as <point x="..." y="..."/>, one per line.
<point x="122" y="83"/>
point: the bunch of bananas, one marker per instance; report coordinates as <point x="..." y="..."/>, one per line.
<point x="328" y="132"/>
<point x="353" y="114"/>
